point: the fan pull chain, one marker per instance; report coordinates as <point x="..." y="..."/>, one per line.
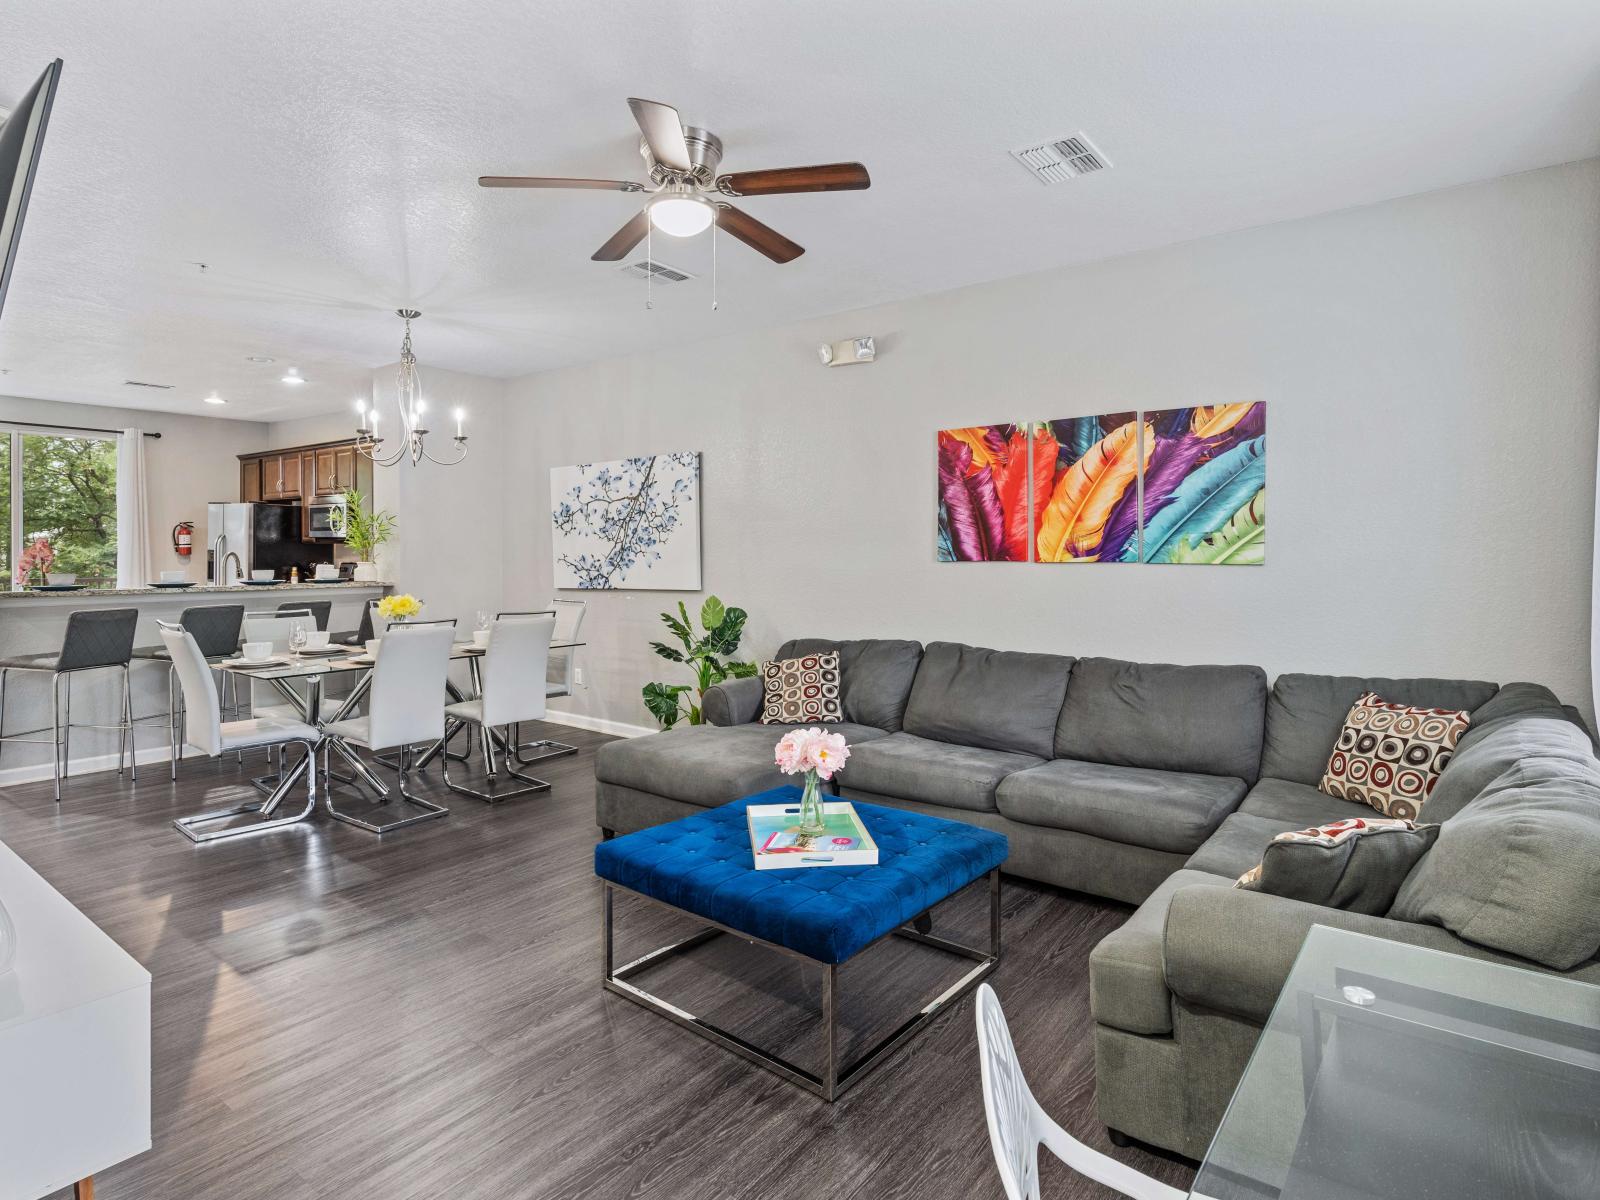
<point x="649" y="266"/>
<point x="714" y="225"/>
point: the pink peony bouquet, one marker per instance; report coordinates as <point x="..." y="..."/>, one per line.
<point x="804" y="750"/>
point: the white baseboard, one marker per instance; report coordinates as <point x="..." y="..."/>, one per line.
<point x="34" y="772"/>
<point x="558" y="716"/>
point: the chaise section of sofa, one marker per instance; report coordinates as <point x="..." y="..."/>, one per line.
<point x="1181" y="991"/>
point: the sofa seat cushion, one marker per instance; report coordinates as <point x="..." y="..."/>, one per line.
<point x="1238" y="843"/>
<point x="917" y="768"/>
<point x="707" y="764"/>
<point x="1299" y="803"/>
<point x="996" y="699"/>
<point x="1164" y="810"/>
<point x="1127" y="974"/>
<point x="1202" y="719"/>
<point x="1306" y="712"/>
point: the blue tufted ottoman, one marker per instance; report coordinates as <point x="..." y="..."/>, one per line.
<point x="701" y="865"/>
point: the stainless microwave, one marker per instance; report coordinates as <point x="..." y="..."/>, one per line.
<point x="325" y="519"/>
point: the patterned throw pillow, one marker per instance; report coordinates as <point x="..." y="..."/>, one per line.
<point x="801" y="691"/>
<point x="1355" y="864"/>
<point x="1389" y="756"/>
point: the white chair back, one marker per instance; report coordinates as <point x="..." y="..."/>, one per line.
<point x="514" y="669"/>
<point x="569" y="620"/>
<point x="202" y="717"/>
<point x="407" y="700"/>
<point x="1017" y="1125"/>
<point x="276" y="627"/>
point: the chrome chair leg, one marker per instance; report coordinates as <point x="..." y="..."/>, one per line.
<point x="127" y="723"/>
<point x="555" y="749"/>
<point x="429" y="810"/>
<point x="495" y="795"/>
<point x="189" y="826"/>
<point x="55" y="722"/>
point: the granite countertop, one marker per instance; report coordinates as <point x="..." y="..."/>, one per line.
<point x="91" y="593"/>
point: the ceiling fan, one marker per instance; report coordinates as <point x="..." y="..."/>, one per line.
<point x="688" y="196"/>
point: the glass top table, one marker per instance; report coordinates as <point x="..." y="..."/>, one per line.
<point x="1391" y="1071"/>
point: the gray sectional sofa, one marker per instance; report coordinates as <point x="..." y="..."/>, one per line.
<point x="1159" y="785"/>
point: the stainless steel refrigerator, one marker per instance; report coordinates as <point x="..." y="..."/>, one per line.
<point x="265" y="537"/>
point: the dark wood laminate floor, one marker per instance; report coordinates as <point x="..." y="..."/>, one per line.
<point x="336" y="1015"/>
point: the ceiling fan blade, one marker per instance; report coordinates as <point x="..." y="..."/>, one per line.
<point x="827" y="177"/>
<point x="624" y="239"/>
<point x="663" y="133"/>
<point x="756" y="235"/>
<point x="538" y="181"/>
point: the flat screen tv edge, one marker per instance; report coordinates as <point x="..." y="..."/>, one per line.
<point x="21" y="138"/>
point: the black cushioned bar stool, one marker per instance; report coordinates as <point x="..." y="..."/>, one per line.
<point x="320" y="610"/>
<point x="96" y="640"/>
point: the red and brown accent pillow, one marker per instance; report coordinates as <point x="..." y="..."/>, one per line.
<point x="1389" y="756"/>
<point x="801" y="691"/>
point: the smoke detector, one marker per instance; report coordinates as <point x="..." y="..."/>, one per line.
<point x="659" y="271"/>
<point x="1061" y="159"/>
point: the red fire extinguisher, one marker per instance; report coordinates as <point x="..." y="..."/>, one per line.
<point x="183" y="538"/>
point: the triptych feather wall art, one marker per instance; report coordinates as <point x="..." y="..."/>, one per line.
<point x="1178" y="485"/>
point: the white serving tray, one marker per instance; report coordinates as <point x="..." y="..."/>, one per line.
<point x="773" y="817"/>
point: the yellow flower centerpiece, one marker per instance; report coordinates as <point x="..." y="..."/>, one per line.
<point x="399" y="608"/>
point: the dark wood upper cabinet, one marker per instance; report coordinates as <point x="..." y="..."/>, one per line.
<point x="250" y="479"/>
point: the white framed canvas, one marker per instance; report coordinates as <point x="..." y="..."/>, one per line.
<point x="628" y="523"/>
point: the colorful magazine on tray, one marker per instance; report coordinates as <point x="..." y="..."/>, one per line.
<point x="776" y="840"/>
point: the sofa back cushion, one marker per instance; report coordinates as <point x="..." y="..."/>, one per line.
<point x="1478" y="764"/>
<point x="1518" y="868"/>
<point x="997" y="699"/>
<point x="1306" y="712"/>
<point x="875" y="676"/>
<point x="1205" y="720"/>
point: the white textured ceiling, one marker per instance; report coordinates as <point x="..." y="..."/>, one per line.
<point x="321" y="157"/>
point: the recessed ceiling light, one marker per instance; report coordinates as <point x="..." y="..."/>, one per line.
<point x="214" y="399"/>
<point x="259" y="358"/>
<point x="293" y="376"/>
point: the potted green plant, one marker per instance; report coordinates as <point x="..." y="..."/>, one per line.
<point x="365" y="529"/>
<point x="708" y="655"/>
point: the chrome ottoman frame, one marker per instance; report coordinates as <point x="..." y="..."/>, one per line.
<point x="835" y="1077"/>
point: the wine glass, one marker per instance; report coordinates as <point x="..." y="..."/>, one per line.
<point x="297" y="637"/>
<point x="483" y="618"/>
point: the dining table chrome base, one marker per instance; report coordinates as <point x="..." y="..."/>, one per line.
<point x="191" y="826"/>
<point x="428" y="809"/>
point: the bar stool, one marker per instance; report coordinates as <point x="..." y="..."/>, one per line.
<point x="512" y="675"/>
<point x="96" y="639"/>
<point x="560" y="676"/>
<point x="319" y="610"/>
<point x="364" y="634"/>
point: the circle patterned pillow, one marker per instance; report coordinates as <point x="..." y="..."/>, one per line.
<point x="801" y="691"/>
<point x="1389" y="756"/>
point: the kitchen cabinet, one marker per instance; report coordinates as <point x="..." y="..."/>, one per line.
<point x="304" y="474"/>
<point x="334" y="471"/>
<point x="280" y="476"/>
<point x="249" y="480"/>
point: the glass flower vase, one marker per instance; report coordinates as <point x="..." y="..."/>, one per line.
<point x="812" y="812"/>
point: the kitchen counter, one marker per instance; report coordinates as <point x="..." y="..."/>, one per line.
<point x="199" y="589"/>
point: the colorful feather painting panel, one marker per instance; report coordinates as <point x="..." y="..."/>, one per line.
<point x="1205" y="486"/>
<point x="983" y="494"/>
<point x="1085" y="487"/>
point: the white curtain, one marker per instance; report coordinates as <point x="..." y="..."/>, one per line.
<point x="133" y="512"/>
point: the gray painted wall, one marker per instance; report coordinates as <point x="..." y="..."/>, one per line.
<point x="1433" y="377"/>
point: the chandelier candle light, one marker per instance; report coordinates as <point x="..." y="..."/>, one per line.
<point x="412" y="409"/>
<point x="821" y="755"/>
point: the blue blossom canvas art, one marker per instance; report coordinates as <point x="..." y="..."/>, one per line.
<point x="628" y="523"/>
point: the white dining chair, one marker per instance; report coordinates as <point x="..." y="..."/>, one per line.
<point x="560" y="677"/>
<point x="206" y="731"/>
<point x="512" y="674"/>
<point x="403" y="710"/>
<point x="1017" y="1125"/>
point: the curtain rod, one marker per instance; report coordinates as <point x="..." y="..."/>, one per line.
<point x="68" y="428"/>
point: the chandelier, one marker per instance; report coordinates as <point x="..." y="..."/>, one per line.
<point x="412" y="412"/>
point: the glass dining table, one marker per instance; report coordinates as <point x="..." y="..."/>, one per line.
<point x="300" y="676"/>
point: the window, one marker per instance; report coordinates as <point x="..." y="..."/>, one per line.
<point x="63" y="487"/>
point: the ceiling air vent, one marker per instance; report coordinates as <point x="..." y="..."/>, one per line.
<point x="1061" y="159"/>
<point x="160" y="387"/>
<point x="659" y="271"/>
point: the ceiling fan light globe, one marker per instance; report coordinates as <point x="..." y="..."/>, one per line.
<point x="681" y="216"/>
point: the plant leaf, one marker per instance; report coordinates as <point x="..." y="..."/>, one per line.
<point x="1207" y="499"/>
<point x="662" y="701"/>
<point x="1239" y="543"/>
<point x="1073" y="522"/>
<point x="670" y="653"/>
<point x="712" y="613"/>
<point x="743" y="670"/>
